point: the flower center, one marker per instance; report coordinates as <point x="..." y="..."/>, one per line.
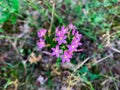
<point x="73" y="46"/>
<point x="61" y="38"/>
<point x="65" y="56"/>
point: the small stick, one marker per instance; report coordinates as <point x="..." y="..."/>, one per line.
<point x="102" y="59"/>
<point x="80" y="65"/>
<point x="114" y="49"/>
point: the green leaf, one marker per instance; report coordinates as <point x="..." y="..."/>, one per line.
<point x="100" y="46"/>
<point x="93" y="76"/>
<point x="58" y="62"/>
<point x="90" y="35"/>
<point x="14" y="4"/>
<point x="85" y="79"/>
<point x="7" y="9"/>
<point x="9" y="65"/>
<point x="9" y="82"/>
<point x="98" y="19"/>
<point x="12" y="11"/>
<point x="89" y="74"/>
<point x="50" y="83"/>
<point x="115" y="1"/>
<point x="78" y="9"/>
<point x="107" y="3"/>
<point x="1" y="30"/>
<point x="13" y="19"/>
<point x="83" y="70"/>
<point x="4" y="17"/>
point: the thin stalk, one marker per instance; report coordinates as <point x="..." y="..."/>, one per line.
<point x="52" y="20"/>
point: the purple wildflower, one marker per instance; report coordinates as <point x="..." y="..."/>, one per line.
<point x="56" y="51"/>
<point x="72" y="47"/>
<point x="64" y="30"/>
<point x="57" y="31"/>
<point x="41" y="32"/>
<point x="74" y="44"/>
<point x="41" y="43"/>
<point x="61" y="39"/>
<point x="77" y="35"/>
<point x="76" y="41"/>
<point x="73" y="31"/>
<point x="71" y="26"/>
<point x="66" y="56"/>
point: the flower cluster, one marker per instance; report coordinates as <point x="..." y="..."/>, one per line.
<point x="67" y="38"/>
<point x="41" y="33"/>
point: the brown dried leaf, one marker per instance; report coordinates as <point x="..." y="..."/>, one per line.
<point x="34" y="59"/>
<point x="55" y="70"/>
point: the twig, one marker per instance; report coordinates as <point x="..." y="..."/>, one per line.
<point x="103" y="59"/>
<point x="45" y="52"/>
<point x="72" y="75"/>
<point x="80" y="65"/>
<point x="14" y="45"/>
<point x="114" y="49"/>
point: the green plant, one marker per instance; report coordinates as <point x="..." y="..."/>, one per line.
<point x="89" y="75"/>
<point x="92" y="16"/>
<point x="67" y="40"/>
<point x="8" y="10"/>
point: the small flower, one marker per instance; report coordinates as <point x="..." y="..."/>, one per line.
<point x="72" y="47"/>
<point x="66" y="56"/>
<point x="64" y="30"/>
<point x="76" y="41"/>
<point x="61" y="39"/>
<point x="74" y="44"/>
<point x="73" y="31"/>
<point x="56" y="51"/>
<point x="58" y="32"/>
<point x="77" y="35"/>
<point x="71" y="26"/>
<point x="41" y="43"/>
<point x="41" y="32"/>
